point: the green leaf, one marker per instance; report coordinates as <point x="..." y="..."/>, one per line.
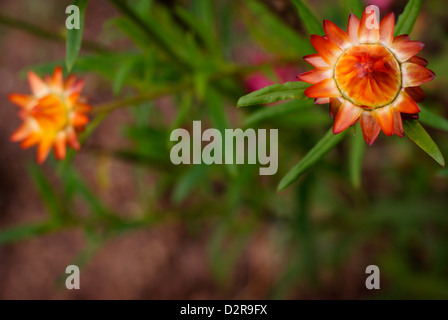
<point x="278" y="111"/>
<point x="26" y="231"/>
<point x="312" y="23"/>
<point x="74" y="36"/>
<point x="274" y="93"/>
<point x="356" y="155"/>
<point x="407" y="19"/>
<point x="328" y="142"/>
<point x="416" y="133"/>
<point x="272" y="32"/>
<point x="188" y="182"/>
<point x="47" y="192"/>
<point x="356" y="6"/>
<point x="433" y="120"/>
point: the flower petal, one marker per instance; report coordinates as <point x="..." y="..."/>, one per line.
<point x="56" y="79"/>
<point x="405" y="104"/>
<point x="315" y="60"/>
<point x="21" y="100"/>
<point x="337" y="35"/>
<point x="403" y="37"/>
<point x="72" y="139"/>
<point x="21" y="133"/>
<point x="398" y="124"/>
<point x="44" y="149"/>
<point x="406" y="49"/>
<point x="60" y="146"/>
<point x="415" y="75"/>
<point x="37" y="85"/>
<point x="321" y="100"/>
<point x="326" y="49"/>
<point x="387" y="26"/>
<point x="325" y="89"/>
<point x="316" y="75"/>
<point x="416" y="93"/>
<point x="418" y="60"/>
<point x="335" y="103"/>
<point x="385" y="118"/>
<point x="78" y="119"/>
<point x="370" y="129"/>
<point x="352" y="27"/>
<point x="31" y="140"/>
<point x="369" y="31"/>
<point x="347" y="115"/>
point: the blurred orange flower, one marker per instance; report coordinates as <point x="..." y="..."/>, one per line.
<point x="367" y="75"/>
<point x="52" y="115"/>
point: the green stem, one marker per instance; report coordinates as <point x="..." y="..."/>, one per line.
<point x="45" y="34"/>
<point x="108" y="107"/>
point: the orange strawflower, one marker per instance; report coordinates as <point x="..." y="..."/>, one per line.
<point x="367" y="75"/>
<point x="52" y="115"/>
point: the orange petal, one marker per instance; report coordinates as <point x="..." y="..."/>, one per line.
<point x="387" y="26"/>
<point x="370" y="129"/>
<point x="385" y="118"/>
<point x="418" y="60"/>
<point x="403" y="37"/>
<point x="406" y="49"/>
<point x="31" y="140"/>
<point x="72" y="139"/>
<point x="347" y="115"/>
<point x="316" y="75"/>
<point x="82" y="107"/>
<point x="76" y="87"/>
<point x="37" y="85"/>
<point x="59" y="146"/>
<point x="72" y="99"/>
<point x="70" y="81"/>
<point x="315" y="60"/>
<point x="415" y="75"/>
<point x="405" y="104"/>
<point x="369" y="31"/>
<point x="352" y="27"/>
<point x="326" y="49"/>
<point x="337" y="35"/>
<point x="44" y="149"/>
<point x="57" y="79"/>
<point x="21" y="100"/>
<point x="416" y="93"/>
<point x="79" y="119"/>
<point x="325" y="89"/>
<point x="321" y="100"/>
<point x="335" y="103"/>
<point x="398" y="124"/>
<point x="21" y="133"/>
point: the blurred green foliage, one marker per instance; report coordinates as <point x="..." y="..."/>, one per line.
<point x="386" y="204"/>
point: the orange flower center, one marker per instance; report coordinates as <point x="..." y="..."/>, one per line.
<point x="51" y="114"/>
<point x="368" y="75"/>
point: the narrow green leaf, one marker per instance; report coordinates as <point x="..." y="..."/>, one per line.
<point x="274" y="93"/>
<point x="356" y="155"/>
<point x="328" y="142"/>
<point x="407" y="19"/>
<point x="433" y="120"/>
<point x="25" y="231"/>
<point x="278" y="111"/>
<point x="418" y="134"/>
<point x="312" y="23"/>
<point x="74" y="36"/>
<point x="46" y="191"/>
<point x="188" y="182"/>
